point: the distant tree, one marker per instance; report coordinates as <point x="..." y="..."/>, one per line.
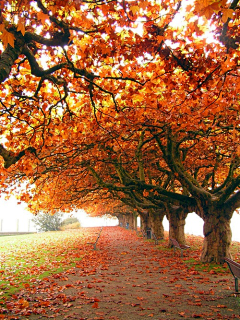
<point x="69" y="220"/>
<point x="70" y="223"/>
<point x="47" y="222"/>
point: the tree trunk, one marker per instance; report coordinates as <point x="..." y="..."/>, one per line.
<point x="134" y="221"/>
<point x="156" y="218"/>
<point x="176" y="218"/>
<point x="121" y="220"/>
<point x="132" y="218"/>
<point x="145" y="221"/>
<point x="217" y="238"/>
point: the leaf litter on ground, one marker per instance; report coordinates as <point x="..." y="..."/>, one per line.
<point x="127" y="277"/>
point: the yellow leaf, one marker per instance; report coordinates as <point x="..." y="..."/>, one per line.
<point x="7" y="38"/>
<point x="137" y="97"/>
<point x="227" y="13"/>
<point x="134" y="9"/>
<point x="21" y="27"/>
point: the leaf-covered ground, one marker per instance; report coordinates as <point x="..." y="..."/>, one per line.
<point x="127" y="277"/>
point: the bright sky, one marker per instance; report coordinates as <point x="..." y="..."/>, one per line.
<point x="14" y="216"/>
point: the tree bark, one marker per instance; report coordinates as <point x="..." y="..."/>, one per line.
<point x="132" y="219"/>
<point x="121" y="220"/>
<point x="8" y="57"/>
<point x="176" y="217"/>
<point x="145" y="221"/>
<point x="217" y="238"/>
<point x="156" y="218"/>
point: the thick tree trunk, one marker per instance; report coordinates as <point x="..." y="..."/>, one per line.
<point x="127" y="221"/>
<point x="176" y="218"/>
<point x="217" y="238"/>
<point x="121" y="220"/>
<point x="156" y="218"/>
<point x="132" y="219"/>
<point x="145" y="221"/>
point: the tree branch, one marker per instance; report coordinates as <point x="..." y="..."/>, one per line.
<point x="10" y="158"/>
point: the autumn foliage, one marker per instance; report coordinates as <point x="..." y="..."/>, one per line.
<point x="131" y="102"/>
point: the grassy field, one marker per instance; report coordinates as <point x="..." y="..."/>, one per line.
<point x="26" y="258"/>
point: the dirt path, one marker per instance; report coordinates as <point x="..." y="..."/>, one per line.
<point x="129" y="278"/>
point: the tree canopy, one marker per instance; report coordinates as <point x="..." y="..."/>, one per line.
<point x="122" y="102"/>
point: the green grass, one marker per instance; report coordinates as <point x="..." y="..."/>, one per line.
<point x="26" y="258"/>
<point x="238" y="301"/>
<point x="205" y="267"/>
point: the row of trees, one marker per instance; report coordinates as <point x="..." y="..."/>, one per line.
<point x="124" y="105"/>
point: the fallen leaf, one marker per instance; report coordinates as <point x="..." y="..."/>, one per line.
<point x="95" y="305"/>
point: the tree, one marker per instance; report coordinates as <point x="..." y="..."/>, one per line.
<point x="46" y="222"/>
<point x="70" y="223"/>
<point x="69" y="220"/>
<point x="115" y="97"/>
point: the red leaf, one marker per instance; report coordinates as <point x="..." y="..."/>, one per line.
<point x="95" y="305"/>
<point x="96" y="300"/>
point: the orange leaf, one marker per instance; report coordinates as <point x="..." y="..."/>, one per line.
<point x="182" y="314"/>
<point x="7" y="38"/>
<point x="23" y="304"/>
<point x="227" y="13"/>
<point x="95" y="305"/>
<point x="21" y="27"/>
<point x="42" y="16"/>
<point x="238" y="150"/>
<point x="96" y="300"/>
<point x="160" y="38"/>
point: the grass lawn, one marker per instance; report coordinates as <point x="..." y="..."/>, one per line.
<point x="25" y="259"/>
